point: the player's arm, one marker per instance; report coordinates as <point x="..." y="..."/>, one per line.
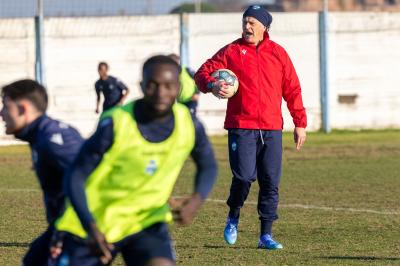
<point x="191" y="72"/>
<point x="196" y="95"/>
<point x="98" y="98"/>
<point x="86" y="162"/>
<point x="206" y="174"/>
<point x="204" y="81"/>
<point x="88" y="159"/>
<point x="60" y="151"/>
<point x="206" y="165"/>
<point x="124" y="90"/>
<point x="291" y="92"/>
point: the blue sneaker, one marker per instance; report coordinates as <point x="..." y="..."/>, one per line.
<point x="266" y="242"/>
<point x="230" y="232"/>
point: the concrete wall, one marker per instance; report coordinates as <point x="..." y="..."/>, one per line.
<point x="17" y="54"/>
<point x="73" y="48"/>
<point x="364" y="56"/>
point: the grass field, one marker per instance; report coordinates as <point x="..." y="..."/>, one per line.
<point x="340" y="205"/>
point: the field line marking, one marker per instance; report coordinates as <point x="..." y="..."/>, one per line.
<point x="286" y="206"/>
<point x="20" y="190"/>
<point x="314" y="207"/>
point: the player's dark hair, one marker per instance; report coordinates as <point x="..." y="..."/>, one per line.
<point x="101" y="64"/>
<point x="176" y="57"/>
<point x="160" y="59"/>
<point x="27" y="89"/>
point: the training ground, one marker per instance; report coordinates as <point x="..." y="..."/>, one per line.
<point x="339" y="206"/>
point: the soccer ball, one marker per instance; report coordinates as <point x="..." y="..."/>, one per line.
<point x="229" y="77"/>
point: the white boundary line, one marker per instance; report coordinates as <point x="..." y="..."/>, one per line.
<point x="20" y="190"/>
<point x="286" y="206"/>
<point x="313" y="207"/>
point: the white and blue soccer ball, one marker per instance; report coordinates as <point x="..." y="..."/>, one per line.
<point x="229" y="77"/>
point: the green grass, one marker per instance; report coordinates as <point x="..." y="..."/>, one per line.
<point x="358" y="170"/>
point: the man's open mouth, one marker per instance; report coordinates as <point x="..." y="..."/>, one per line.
<point x="248" y="34"/>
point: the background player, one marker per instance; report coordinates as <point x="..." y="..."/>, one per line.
<point x="189" y="94"/>
<point x="54" y="145"/>
<point x="114" y="91"/>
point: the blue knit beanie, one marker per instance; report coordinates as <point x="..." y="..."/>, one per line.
<point x="259" y="13"/>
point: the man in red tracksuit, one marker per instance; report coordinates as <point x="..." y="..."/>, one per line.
<point x="254" y="117"/>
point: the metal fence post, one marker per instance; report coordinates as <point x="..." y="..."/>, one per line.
<point x="39" y="66"/>
<point x="184" y="46"/>
<point x="324" y="63"/>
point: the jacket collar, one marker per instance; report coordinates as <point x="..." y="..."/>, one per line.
<point x="29" y="132"/>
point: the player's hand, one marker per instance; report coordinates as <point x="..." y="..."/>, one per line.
<point x="184" y="210"/>
<point x="195" y="97"/>
<point x="56" y="244"/>
<point x="220" y="89"/>
<point x="299" y="135"/>
<point x="122" y="100"/>
<point x="98" y="244"/>
<point x="97" y="110"/>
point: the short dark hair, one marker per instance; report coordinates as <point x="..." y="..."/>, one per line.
<point x="101" y="64"/>
<point x="27" y="89"/>
<point x="176" y="57"/>
<point x="160" y="59"/>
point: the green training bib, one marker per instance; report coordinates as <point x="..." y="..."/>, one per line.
<point x="188" y="86"/>
<point x="129" y="189"/>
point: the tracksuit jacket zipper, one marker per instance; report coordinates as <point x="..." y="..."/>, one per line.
<point x="259" y="96"/>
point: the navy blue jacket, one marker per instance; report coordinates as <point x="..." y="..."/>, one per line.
<point x="54" y="146"/>
<point x="97" y="145"/>
<point x="112" y="89"/>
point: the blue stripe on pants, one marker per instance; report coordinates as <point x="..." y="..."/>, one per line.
<point x="252" y="157"/>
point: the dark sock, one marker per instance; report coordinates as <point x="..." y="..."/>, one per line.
<point x="234" y="213"/>
<point x="266" y="227"/>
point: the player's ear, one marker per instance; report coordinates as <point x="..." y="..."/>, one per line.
<point x="21" y="106"/>
<point x="21" y="110"/>
<point x="142" y="86"/>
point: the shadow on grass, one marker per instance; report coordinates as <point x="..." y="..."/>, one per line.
<point x="14" y="244"/>
<point x="361" y="258"/>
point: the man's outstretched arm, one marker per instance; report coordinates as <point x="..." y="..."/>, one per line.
<point x="86" y="162"/>
<point x="206" y="174"/>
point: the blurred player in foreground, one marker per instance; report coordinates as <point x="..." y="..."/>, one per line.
<point x="120" y="184"/>
<point x="189" y="94"/>
<point x="114" y="91"/>
<point x="254" y="117"/>
<point x="54" y="146"/>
